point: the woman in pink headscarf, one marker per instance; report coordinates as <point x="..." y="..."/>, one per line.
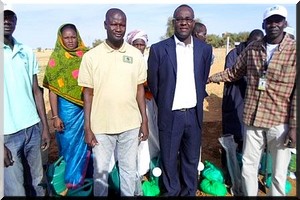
<point x="150" y="148"/>
<point x="138" y="39"/>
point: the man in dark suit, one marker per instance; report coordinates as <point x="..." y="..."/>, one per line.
<point x="178" y="69"/>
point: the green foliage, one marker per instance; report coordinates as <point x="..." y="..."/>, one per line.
<point x="215" y="40"/>
<point x="170" y="29"/>
<point x="236" y="37"/>
<point x="220" y="41"/>
<point x="97" y="42"/>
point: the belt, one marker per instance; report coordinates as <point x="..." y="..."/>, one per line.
<point x="185" y="109"/>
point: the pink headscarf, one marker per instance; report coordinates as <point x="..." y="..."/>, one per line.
<point x="137" y="34"/>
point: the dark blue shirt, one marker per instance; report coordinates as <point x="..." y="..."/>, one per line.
<point x="233" y="99"/>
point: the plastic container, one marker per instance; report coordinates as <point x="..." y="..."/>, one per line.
<point x="83" y="191"/>
<point x="151" y="186"/>
<point x="292" y="165"/>
<point x="288" y="185"/>
<point x="55" y="175"/>
<point x="265" y="164"/>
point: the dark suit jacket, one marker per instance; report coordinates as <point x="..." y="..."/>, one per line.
<point x="162" y="71"/>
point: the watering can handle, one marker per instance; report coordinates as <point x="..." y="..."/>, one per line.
<point x="58" y="161"/>
<point x="81" y="188"/>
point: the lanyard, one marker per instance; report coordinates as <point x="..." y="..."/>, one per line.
<point x="265" y="68"/>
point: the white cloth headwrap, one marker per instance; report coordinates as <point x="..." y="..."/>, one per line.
<point x="137" y="34"/>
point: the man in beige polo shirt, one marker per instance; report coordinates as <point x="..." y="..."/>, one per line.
<point x="112" y="75"/>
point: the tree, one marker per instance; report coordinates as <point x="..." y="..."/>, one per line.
<point x="235" y="37"/>
<point x="170" y="29"/>
<point x="39" y="49"/>
<point x="215" y="40"/>
<point x="97" y="42"/>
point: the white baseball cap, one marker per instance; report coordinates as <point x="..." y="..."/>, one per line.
<point x="8" y="7"/>
<point x="275" y="10"/>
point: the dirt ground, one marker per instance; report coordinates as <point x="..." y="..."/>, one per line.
<point x="212" y="128"/>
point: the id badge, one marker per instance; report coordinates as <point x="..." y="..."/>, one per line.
<point x="262" y="84"/>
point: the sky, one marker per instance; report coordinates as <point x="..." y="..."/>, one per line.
<point x="38" y="22"/>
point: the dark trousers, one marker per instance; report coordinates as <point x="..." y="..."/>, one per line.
<point x="180" y="152"/>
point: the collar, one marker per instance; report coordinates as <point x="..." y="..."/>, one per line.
<point x="17" y="45"/>
<point x="178" y="42"/>
<point x="122" y="49"/>
<point x="286" y="39"/>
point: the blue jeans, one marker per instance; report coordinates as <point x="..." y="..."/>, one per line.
<point x="23" y="177"/>
<point x="126" y="144"/>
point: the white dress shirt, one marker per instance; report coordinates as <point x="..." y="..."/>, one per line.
<point x="185" y="90"/>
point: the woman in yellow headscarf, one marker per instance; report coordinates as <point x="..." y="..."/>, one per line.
<point x="67" y="103"/>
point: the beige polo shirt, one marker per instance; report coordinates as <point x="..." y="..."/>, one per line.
<point x="114" y="76"/>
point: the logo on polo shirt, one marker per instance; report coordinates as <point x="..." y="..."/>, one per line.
<point x="127" y="59"/>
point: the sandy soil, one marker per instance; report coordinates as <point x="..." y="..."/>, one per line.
<point x="212" y="128"/>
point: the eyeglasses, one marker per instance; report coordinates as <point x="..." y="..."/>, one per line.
<point x="180" y="20"/>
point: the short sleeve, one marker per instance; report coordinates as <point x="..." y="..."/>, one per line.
<point x="85" y="76"/>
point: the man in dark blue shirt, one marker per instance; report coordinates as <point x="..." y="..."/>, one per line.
<point x="234" y="93"/>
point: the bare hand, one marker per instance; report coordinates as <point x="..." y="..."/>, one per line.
<point x="144" y="132"/>
<point x="8" y="160"/>
<point x="45" y="139"/>
<point x="90" y="138"/>
<point x="290" y="140"/>
<point x="58" y="124"/>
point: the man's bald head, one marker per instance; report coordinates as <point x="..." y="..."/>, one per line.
<point x="111" y="12"/>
